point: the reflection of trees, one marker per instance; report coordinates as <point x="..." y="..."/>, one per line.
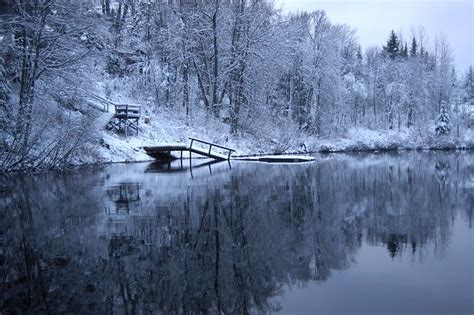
<point x="227" y="248"/>
<point x="42" y="227"/>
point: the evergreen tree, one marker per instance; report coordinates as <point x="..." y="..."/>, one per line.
<point x="393" y="46"/>
<point x="469" y="92"/>
<point x="469" y="86"/>
<point x="404" y="51"/>
<point x="414" y="47"/>
<point x="442" y="125"/>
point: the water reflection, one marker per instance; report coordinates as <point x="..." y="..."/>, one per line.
<point x="137" y="239"/>
<point x="125" y="196"/>
<point x="191" y="166"/>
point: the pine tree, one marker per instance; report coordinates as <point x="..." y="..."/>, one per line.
<point x="404" y="51"/>
<point x="442" y="125"/>
<point x="469" y="85"/>
<point x="414" y="47"/>
<point x="393" y="46"/>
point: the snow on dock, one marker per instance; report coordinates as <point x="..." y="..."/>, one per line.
<point x="278" y="158"/>
<point x="163" y="152"/>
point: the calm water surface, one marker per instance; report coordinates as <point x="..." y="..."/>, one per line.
<point x="347" y="234"/>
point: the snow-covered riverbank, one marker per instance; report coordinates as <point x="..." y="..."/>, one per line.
<point x="113" y="147"/>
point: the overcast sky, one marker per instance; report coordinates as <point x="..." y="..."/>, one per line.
<point x="374" y="19"/>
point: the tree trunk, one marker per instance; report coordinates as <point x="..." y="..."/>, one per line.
<point x="317" y="116"/>
<point x="215" y="73"/>
<point x="186" y="90"/>
<point x="410" y="113"/>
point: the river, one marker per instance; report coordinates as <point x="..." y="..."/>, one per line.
<point x="387" y="233"/>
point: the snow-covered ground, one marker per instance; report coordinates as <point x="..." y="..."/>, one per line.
<point x="363" y="139"/>
<point x="171" y="126"/>
<point x="281" y="158"/>
<point x="165" y="128"/>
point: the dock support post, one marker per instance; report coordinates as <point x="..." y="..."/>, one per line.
<point x="190" y="164"/>
<point x="126" y="121"/>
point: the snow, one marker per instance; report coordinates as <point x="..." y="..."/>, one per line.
<point x="171" y="145"/>
<point x="278" y="158"/>
<point x="164" y="130"/>
<point x="364" y="139"/>
<point x="273" y="112"/>
<point x="203" y="151"/>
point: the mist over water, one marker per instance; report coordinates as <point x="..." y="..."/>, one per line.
<point x="379" y="233"/>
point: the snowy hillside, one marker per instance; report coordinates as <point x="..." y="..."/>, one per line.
<point x="241" y="74"/>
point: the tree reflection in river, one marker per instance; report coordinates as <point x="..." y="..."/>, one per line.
<point x="120" y="240"/>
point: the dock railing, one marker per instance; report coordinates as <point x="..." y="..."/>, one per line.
<point x="210" y="144"/>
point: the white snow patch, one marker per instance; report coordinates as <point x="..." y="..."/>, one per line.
<point x="278" y="158"/>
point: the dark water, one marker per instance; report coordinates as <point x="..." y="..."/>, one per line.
<point x="360" y="234"/>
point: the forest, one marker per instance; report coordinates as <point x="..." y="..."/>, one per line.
<point x="235" y="71"/>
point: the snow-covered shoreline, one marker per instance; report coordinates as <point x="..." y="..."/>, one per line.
<point x="114" y="148"/>
<point x="164" y="128"/>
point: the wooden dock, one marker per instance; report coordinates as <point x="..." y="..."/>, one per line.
<point x="163" y="152"/>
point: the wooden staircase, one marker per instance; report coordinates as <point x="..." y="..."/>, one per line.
<point x="103" y="121"/>
<point x="122" y="117"/>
